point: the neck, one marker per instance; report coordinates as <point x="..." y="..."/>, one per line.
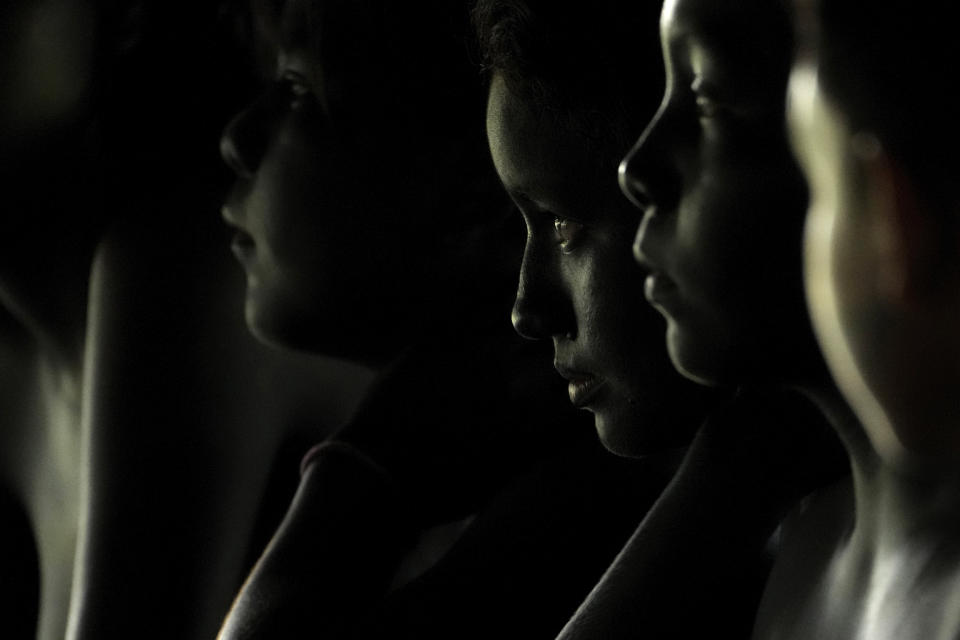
<point x="815" y="381"/>
<point x="896" y="508"/>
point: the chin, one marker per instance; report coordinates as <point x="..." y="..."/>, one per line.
<point x="648" y="435"/>
<point x="270" y="327"/>
<point x="698" y="362"/>
<point x="326" y="334"/>
<point x="615" y="442"/>
<point x="628" y="438"/>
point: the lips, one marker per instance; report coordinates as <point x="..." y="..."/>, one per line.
<point x="582" y="387"/>
<point x="228" y="213"/>
<point x="242" y="243"/>
<point x="659" y="289"/>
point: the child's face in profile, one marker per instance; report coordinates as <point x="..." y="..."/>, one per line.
<point x="881" y="362"/>
<point x="332" y="248"/>
<point x="831" y="273"/>
<point x="579" y="285"/>
<point x="723" y="200"/>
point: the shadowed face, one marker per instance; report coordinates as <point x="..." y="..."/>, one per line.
<point x="889" y="342"/>
<point x="722" y="198"/>
<point x="832" y="270"/>
<point x="579" y="285"/>
<point x="332" y="201"/>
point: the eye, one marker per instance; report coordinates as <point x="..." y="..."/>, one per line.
<point x="707" y="107"/>
<point x="296" y="89"/>
<point x="707" y="104"/>
<point x="567" y="231"/>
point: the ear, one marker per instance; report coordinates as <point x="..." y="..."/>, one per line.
<point x="902" y="232"/>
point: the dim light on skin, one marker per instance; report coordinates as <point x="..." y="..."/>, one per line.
<point x="579" y="286"/>
<point x="887" y="570"/>
<point x="325" y="240"/>
<point x="885" y="320"/>
<point x="51" y="227"/>
<point x="832" y="265"/>
<point x="47" y="82"/>
<point x="723" y="200"/>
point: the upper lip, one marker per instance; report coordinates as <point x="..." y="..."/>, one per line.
<point x="657" y="285"/>
<point x="232" y="209"/>
<point x="571" y="374"/>
<point x="228" y="215"/>
<point x="652" y="240"/>
<point x="242" y="240"/>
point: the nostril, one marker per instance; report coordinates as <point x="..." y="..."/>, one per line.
<point x="232" y="156"/>
<point x="542" y="308"/>
<point x="631" y="187"/>
<point x="542" y="318"/>
<point x="524" y="323"/>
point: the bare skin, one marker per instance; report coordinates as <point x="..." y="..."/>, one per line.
<point x="125" y="385"/>
<point x="878" y="559"/>
<point x="42" y="298"/>
<point x="329" y="564"/>
<point x="724" y="204"/>
<point x="40" y="437"/>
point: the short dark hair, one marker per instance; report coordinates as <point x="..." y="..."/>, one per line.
<point x="889" y="66"/>
<point x="596" y="68"/>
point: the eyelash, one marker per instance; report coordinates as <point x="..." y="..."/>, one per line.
<point x="571" y="228"/>
<point x="707" y="107"/>
<point x="295" y="88"/>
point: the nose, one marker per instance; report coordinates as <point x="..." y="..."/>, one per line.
<point x="542" y="308"/>
<point x="244" y="140"/>
<point x="629" y="178"/>
<point x="645" y="174"/>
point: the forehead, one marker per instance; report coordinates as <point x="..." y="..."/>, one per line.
<point x="536" y="159"/>
<point x="743" y="33"/>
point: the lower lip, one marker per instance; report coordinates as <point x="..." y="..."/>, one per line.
<point x="659" y="289"/>
<point x="583" y="391"/>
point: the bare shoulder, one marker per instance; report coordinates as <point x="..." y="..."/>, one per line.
<point x="810" y="537"/>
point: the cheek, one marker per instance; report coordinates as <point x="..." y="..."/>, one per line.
<point x="304" y="208"/>
<point x="848" y="268"/>
<point x="838" y="268"/>
<point x="317" y="252"/>
<point x="837" y="274"/>
<point x="751" y="228"/>
<point x="709" y="247"/>
<point x="818" y="259"/>
<point x="612" y="313"/>
<point x="853" y="297"/>
<point x="822" y="246"/>
<point x="740" y="238"/>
